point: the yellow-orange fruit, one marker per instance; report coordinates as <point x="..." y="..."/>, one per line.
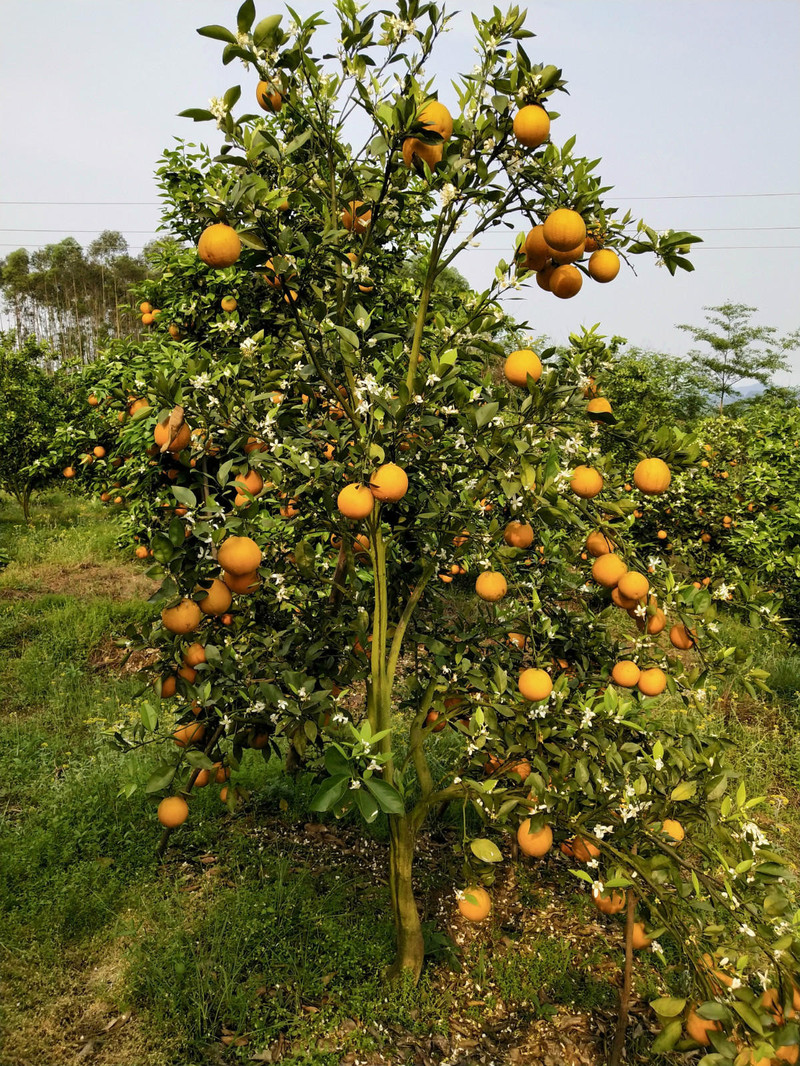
<point x="491" y="586"/>
<point x="603" y="265"/>
<point x="174" y="332"/>
<point x="655" y="622"/>
<point x="535" y="685"/>
<point x="355" y="501"/>
<point x="673" y="829"/>
<point x="652" y="476"/>
<point x="435" y="117"/>
<point x="563" y="229"/>
<point x="531" y="126"/>
<point x="586" y="482"/>
<point x="242" y="583"/>
<point x="598" y="544"/>
<point x="356" y="216"/>
<point x="417" y="152"/>
<point x="626" y="673"/>
<point x="194" y="655"/>
<point x="99" y="452"/>
<point x="698" y="1028"/>
<point x="252" y="482"/>
<point x="183" y="618"/>
<point x="608" y="902"/>
<point x="544" y="276"/>
<point x="389" y="482"/>
<point x="192" y="733"/>
<point x="570" y="256"/>
<point x="566" y="281"/>
<point x="239" y="555"/>
<point x="536" y="247"/>
<point x="188" y="673"/>
<point x="640" y="939"/>
<point x="145" y="308"/>
<point x="608" y="569"/>
<point x="168" y="687"/>
<point x="68" y="472"/>
<point x="520" y="364"/>
<point x="624" y="602"/>
<point x="228" y="303"/>
<point x="517" y="640"/>
<point x="633" y="585"/>
<point x="255" y="445"/>
<point x="474" y="903"/>
<point x="182" y="439"/>
<point x="173" y="811"/>
<point x="268" y="97"/>
<point x="219" y="245"/>
<point x="681" y="638"/>
<point x="218" y="598"/>
<point x="537" y="843"/>
<point x="652" y="681"/>
<point x="518" y="535"/>
<point x="584" y="850"/>
<point x="599" y="406"/>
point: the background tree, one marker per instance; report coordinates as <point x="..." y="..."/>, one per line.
<point x="656" y="386"/>
<point x="740" y="351"/>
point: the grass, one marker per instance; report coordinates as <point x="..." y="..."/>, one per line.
<point x="250" y="928"/>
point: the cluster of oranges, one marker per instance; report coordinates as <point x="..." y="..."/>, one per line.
<point x="553" y="247"/>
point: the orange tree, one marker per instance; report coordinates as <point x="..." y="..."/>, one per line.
<point x="352" y="448"/>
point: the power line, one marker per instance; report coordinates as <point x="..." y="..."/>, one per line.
<point x="702" y="229"/>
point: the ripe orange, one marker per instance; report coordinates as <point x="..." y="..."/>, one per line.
<point x="219" y="245"/>
<point x="356" y="216"/>
<point x="491" y="586"/>
<point x="145" y="308"/>
<point x="570" y="256"/>
<point x="599" y="406"/>
<point x="518" y="535"/>
<point x="141" y="552"/>
<point x="698" y="1028"/>
<point x="194" y="655"/>
<point x="174" y="332"/>
<point x="626" y="673"/>
<point x="218" y="598"/>
<point x="537" y="843"/>
<point x="148" y="319"/>
<point x="474" y="903"/>
<point x="634" y="586"/>
<point x="520" y="364"/>
<point x="566" y="282"/>
<point x="640" y="939"/>
<point x="517" y="640"/>
<point x="535" y="685"/>
<point x="624" y="602"/>
<point x="521" y="769"/>
<point x="563" y="229"/>
<point x="68" y="472"/>
<point x="586" y="482"/>
<point x="182" y="439"/>
<point x="353" y="257"/>
<point x="173" y="811"/>
<point x="188" y="673"/>
<point x="652" y="476"/>
<point x="228" y="303"/>
<point x="416" y="152"/>
<point x="192" y="733"/>
<point x="598" y="544"/>
<point x="532" y="126"/>
<point x="254" y="444"/>
<point x="584" y="850"/>
<point x="681" y="638"/>
<point x="435" y="117"/>
<point x="252" y="482"/>
<point x="673" y="829"/>
<point x="239" y="555"/>
<point x="603" y="265"/>
<point x="545" y="275"/>
<point x="432" y="719"/>
<point x="608" y="569"/>
<point x="536" y="247"/>
<point x="652" y="681"/>
<point x="608" y="902"/>
<point x="268" y="97"/>
<point x="389" y="482"/>
<point x="355" y="501"/>
<point x="183" y="618"/>
<point x="168" y="687"/>
<point x="242" y="583"/>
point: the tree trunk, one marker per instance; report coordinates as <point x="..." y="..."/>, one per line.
<point x="408" y="928"/>
<point x="627" y="980"/>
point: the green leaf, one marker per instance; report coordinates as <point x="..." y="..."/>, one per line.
<point x="389" y="799"/>
<point x="199" y="115"/>
<point x="749" y="1017"/>
<point x="217" y="33"/>
<point x="486" y="413"/>
<point x="486" y="850"/>
<point x="162" y="548"/>
<point x="160" y="777"/>
<point x="684" y="791"/>
<point x="330" y="792"/>
<point x="198" y="760"/>
<point x="245" y="16"/>
<point x="184" y="496"/>
<point x="367" y="805"/>
<point x="335" y="763"/>
<point x="348" y="335"/>
<point x="148" y="716"/>
<point x="668" y="1037"/>
<point x="265" y="29"/>
<point x="668" y="1007"/>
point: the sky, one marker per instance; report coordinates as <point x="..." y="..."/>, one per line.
<point x="693" y="106"/>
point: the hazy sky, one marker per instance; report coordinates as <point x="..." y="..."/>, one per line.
<point x="691" y="103"/>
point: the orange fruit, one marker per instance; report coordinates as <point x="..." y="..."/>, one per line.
<point x="681" y="638"/>
<point x="389" y="482"/>
<point x="608" y="569"/>
<point x="535" y="685"/>
<point x="563" y="229"/>
<point x="268" y="97"/>
<point x="624" y="602"/>
<point x="521" y="364"/>
<point x="652" y="476"/>
<point x="194" y="655"/>
<point x="603" y="265"/>
<point x="228" y="303"/>
<point x="570" y="256"/>
<point x="168" y="687"/>
<point x="698" y="1028"/>
<point x="599" y="406"/>
<point x="521" y="769"/>
<point x="531" y="125"/>
<point x="474" y="903"/>
<point x="174" y="332"/>
<point x="355" y="501"/>
<point x="188" y="673"/>
<point x="255" y="445"/>
<point x="356" y="217"/>
<point x="652" y="681"/>
<point x="435" y="117"/>
<point x="517" y="640"/>
<point x="608" y="902"/>
<point x="566" y="282"/>
<point x="68" y="472"/>
<point x="182" y="439"/>
<point x="183" y="618"/>
<point x="145" y="308"/>
<point x="491" y="586"/>
<point x="141" y="552"/>
<point x="626" y="673"/>
<point x="634" y="586"/>
<point x="242" y="583"/>
<point x="252" y="482"/>
<point x="173" y="811"/>
<point x="189" y="734"/>
<point x="518" y="535"/>
<point x="673" y="829"/>
<point x="598" y="544"/>
<point x="416" y="152"/>
<point x="536" y="247"/>
<point x="219" y="245"/>
<point x="545" y="275"/>
<point x="640" y="939"/>
<point x="537" y="843"/>
<point x="584" y="850"/>
<point x="586" y="482"/>
<point x="218" y="598"/>
<point x="239" y="555"/>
